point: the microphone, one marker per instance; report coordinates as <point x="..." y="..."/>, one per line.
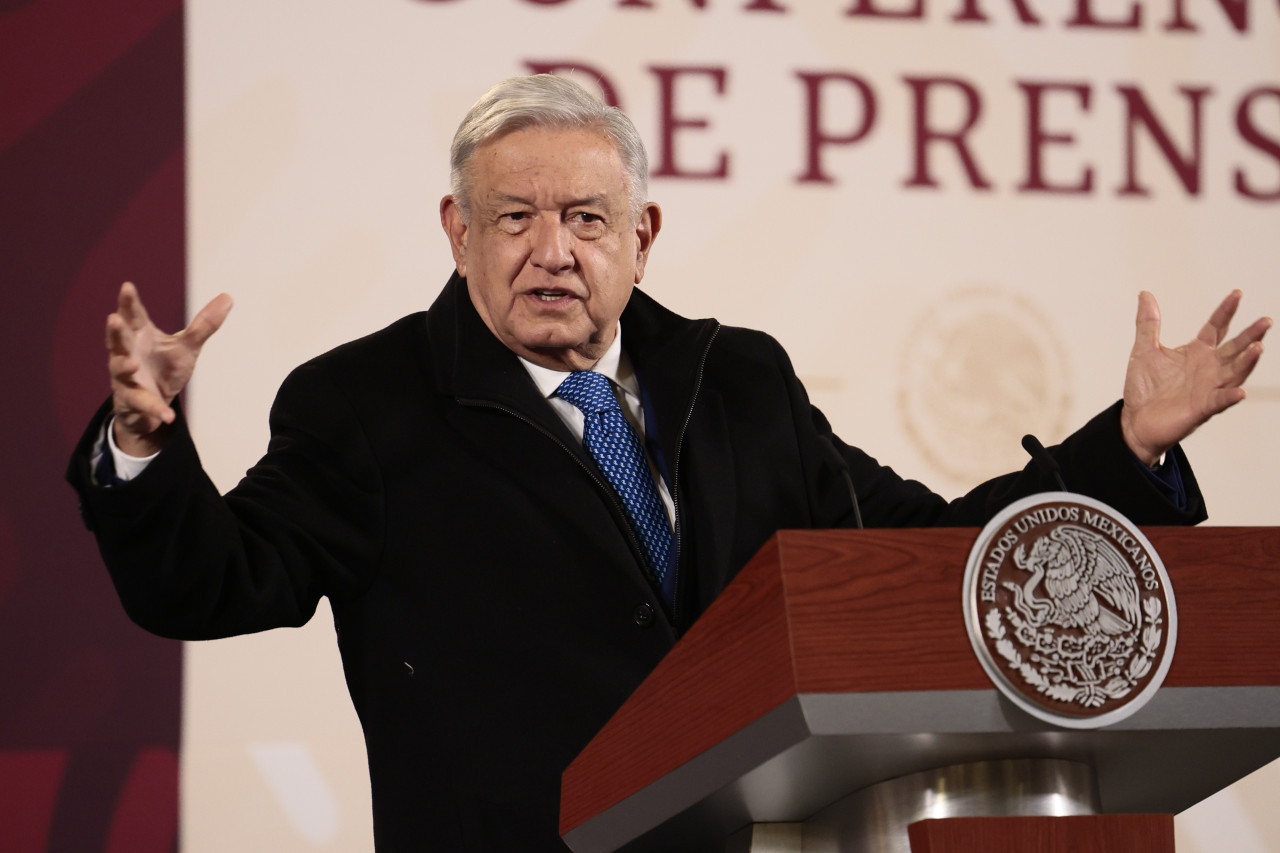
<point x="834" y="457"/>
<point x="1047" y="463"/>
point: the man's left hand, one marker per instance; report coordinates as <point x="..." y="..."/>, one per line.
<point x="1170" y="392"/>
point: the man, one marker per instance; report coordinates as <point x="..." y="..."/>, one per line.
<point x="444" y="481"/>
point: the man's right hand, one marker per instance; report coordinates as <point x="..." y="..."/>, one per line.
<point x="149" y="368"/>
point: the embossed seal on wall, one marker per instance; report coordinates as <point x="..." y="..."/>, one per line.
<point x="983" y="367"/>
<point x="1070" y="610"/>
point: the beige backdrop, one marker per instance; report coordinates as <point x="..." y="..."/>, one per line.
<point x="934" y="326"/>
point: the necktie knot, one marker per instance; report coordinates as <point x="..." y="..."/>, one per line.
<point x="589" y="391"/>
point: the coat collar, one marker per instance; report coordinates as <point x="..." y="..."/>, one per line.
<point x="470" y="363"/>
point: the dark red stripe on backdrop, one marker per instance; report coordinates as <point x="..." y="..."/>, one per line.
<point x="91" y="194"/>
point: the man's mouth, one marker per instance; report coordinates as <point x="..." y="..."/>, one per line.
<point x="549" y="295"/>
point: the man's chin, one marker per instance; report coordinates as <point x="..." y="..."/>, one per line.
<point x="567" y="349"/>
<point x="568" y="355"/>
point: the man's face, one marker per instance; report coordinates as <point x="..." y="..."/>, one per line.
<point x="551" y="252"/>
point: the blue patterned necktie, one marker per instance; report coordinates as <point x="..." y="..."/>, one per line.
<point x="616" y="448"/>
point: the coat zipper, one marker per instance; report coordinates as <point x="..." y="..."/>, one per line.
<point x="595" y="478"/>
<point x="677" y="597"/>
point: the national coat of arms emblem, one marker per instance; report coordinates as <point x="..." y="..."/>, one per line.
<point x="1070" y="610"/>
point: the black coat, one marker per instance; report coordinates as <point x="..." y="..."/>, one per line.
<point x="490" y="602"/>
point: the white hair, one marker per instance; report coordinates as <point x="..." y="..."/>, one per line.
<point x="544" y="100"/>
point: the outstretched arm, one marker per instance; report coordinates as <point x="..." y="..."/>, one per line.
<point x="1170" y="392"/>
<point x="149" y="368"/>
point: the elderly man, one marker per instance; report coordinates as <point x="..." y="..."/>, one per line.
<point x="517" y="500"/>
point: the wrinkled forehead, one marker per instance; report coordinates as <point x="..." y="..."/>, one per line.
<point x="557" y="165"/>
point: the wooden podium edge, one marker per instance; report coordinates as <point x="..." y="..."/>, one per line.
<point x="1148" y="833"/>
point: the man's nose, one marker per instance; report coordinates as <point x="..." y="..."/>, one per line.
<point x="552" y="246"/>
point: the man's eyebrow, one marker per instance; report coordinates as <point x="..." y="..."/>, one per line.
<point x="507" y="198"/>
<point x="597" y="200"/>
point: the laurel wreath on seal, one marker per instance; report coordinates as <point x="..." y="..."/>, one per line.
<point x="1091" y="695"/>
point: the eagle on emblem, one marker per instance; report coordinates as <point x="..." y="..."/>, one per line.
<point x="1087" y="583"/>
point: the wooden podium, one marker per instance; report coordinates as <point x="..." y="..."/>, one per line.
<point x="839" y="659"/>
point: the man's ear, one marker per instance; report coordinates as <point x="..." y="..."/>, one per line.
<point x="647" y="228"/>
<point x="456" y="229"/>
